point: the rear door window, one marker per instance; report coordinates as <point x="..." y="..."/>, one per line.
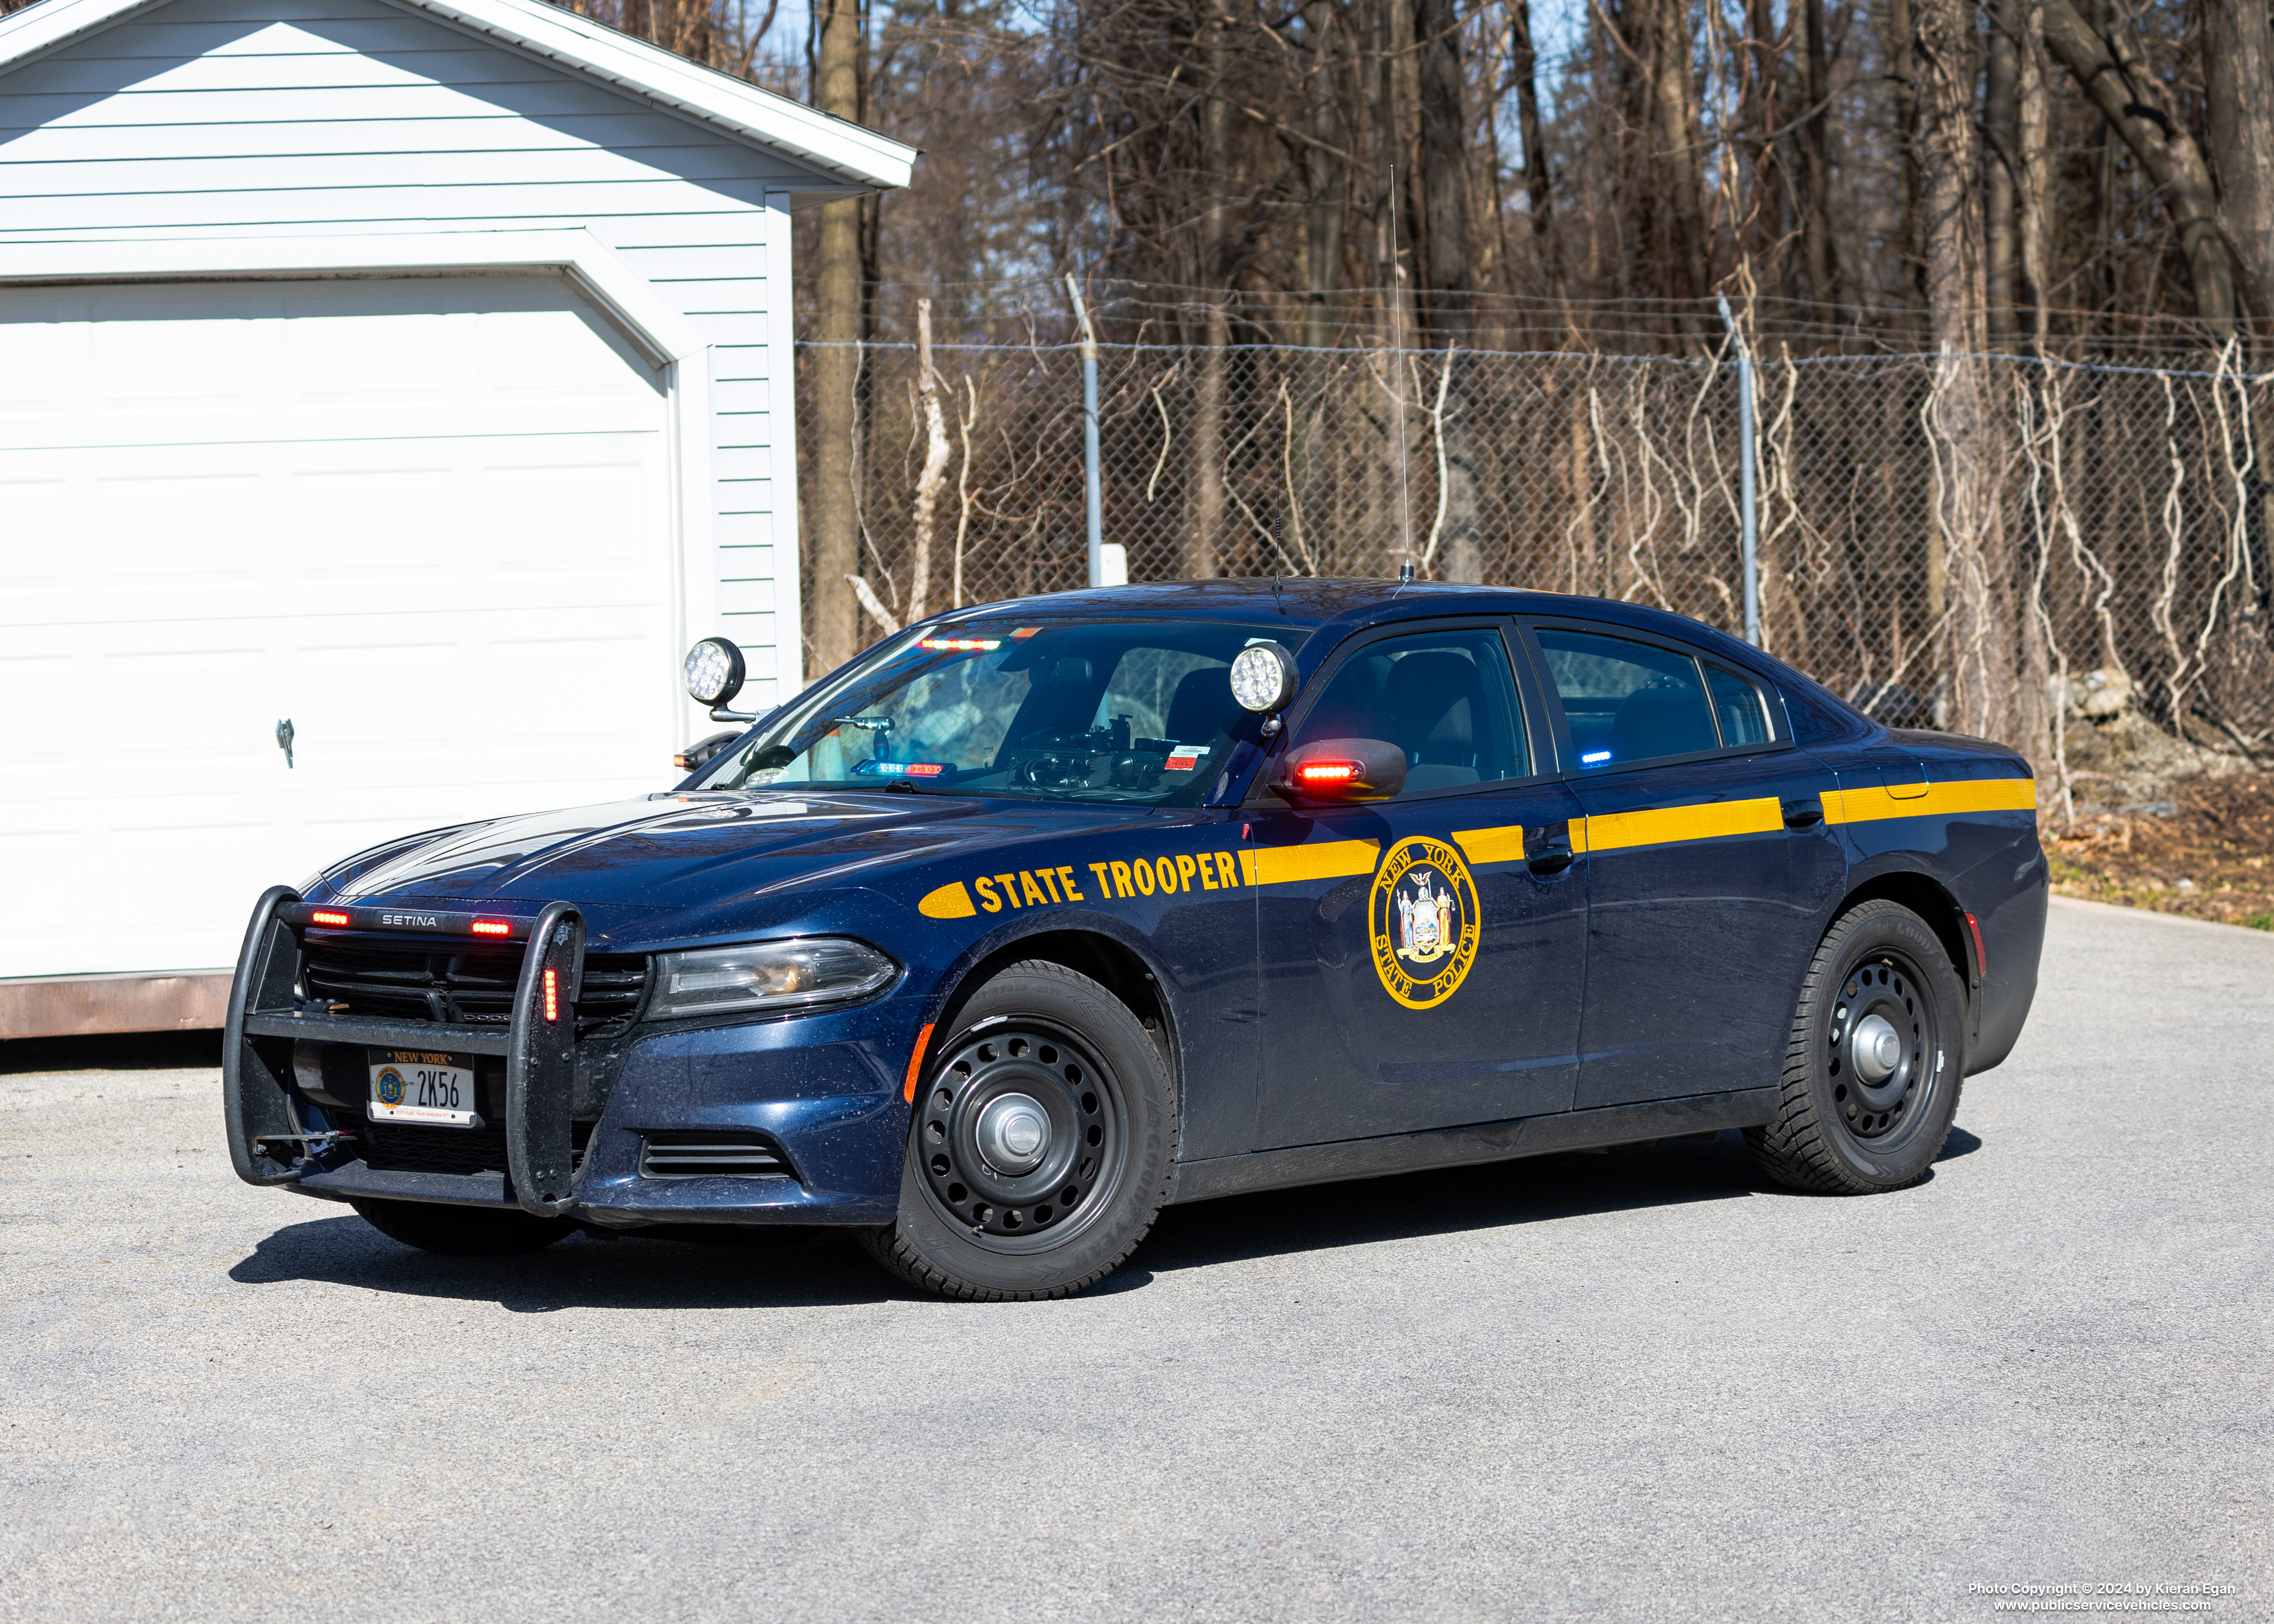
<point x="1738" y="708"/>
<point x="1627" y="702"/>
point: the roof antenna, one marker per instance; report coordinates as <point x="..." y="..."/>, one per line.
<point x="1397" y="350"/>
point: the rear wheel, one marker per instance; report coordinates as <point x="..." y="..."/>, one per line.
<point x="1040" y="1147"/>
<point x="462" y="1231"/>
<point x="1871" y="1070"/>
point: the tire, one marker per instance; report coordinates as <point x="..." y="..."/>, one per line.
<point x="1841" y="1127"/>
<point x="462" y="1231"/>
<point x="1043" y="1045"/>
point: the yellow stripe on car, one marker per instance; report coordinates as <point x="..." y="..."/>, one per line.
<point x="1951" y="799"/>
<point x="950" y="901"/>
<point x="1329" y="859"/>
<point x="1710" y="820"/>
<point x="1491" y="845"/>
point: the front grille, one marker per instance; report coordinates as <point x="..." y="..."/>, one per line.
<point x="727" y="1154"/>
<point x="406" y="1147"/>
<point x="471" y="985"/>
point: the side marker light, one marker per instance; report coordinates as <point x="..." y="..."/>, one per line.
<point x="1981" y="958"/>
<point x="916" y="1063"/>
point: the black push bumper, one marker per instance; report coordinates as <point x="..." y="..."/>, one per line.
<point x="266" y="1016"/>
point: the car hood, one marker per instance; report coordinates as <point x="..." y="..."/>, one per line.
<point x="678" y="864"/>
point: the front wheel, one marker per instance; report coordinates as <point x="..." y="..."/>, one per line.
<point x="1040" y="1145"/>
<point x="1871" y="1071"/>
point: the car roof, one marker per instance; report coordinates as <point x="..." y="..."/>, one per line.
<point x="1344" y="604"/>
<point x="1339" y="606"/>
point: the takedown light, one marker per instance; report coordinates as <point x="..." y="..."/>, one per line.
<point x="327" y="916"/>
<point x="492" y="927"/>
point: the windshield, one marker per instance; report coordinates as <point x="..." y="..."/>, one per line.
<point x="1137" y="712"/>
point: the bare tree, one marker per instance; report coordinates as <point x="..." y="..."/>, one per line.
<point x="2139" y="109"/>
<point x="832" y="518"/>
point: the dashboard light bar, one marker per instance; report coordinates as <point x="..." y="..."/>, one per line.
<point x="328" y="917"/>
<point x="1592" y="756"/>
<point x="552" y="994"/>
<point x="960" y="645"/>
<point x="492" y="927"/>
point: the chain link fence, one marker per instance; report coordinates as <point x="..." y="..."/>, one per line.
<point x="2132" y="502"/>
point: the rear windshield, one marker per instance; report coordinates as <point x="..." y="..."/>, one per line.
<point x="1139" y="712"/>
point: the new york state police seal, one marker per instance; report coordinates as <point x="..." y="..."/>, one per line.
<point x="1422" y="917"/>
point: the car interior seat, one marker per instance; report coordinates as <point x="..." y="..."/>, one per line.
<point x="1202" y="711"/>
<point x="1435" y="704"/>
<point x="1662" y="721"/>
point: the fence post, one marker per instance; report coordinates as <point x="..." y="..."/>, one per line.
<point x="1091" y="488"/>
<point x="1748" y="526"/>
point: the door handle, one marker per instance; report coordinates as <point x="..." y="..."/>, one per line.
<point x="1804" y="813"/>
<point x="284" y="739"/>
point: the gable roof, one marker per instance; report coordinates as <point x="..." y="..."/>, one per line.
<point x="834" y="146"/>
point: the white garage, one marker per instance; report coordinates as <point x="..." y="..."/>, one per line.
<point x="414" y="375"/>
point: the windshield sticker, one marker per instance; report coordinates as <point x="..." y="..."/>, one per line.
<point x="1423" y="917"/>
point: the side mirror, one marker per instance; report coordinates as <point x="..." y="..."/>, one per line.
<point x="1343" y="769"/>
<point x="714" y="676"/>
<point x="701" y="753"/>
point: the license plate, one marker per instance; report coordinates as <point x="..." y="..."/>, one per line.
<point x="422" y="1086"/>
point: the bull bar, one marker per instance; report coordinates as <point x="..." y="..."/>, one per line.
<point x="539" y="1045"/>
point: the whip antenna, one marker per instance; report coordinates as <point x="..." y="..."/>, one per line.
<point x="1398" y="352"/>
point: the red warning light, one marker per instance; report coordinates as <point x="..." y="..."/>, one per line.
<point x="552" y="994"/>
<point x="926" y="769"/>
<point x="492" y="927"/>
<point x="328" y="917"/>
<point x="1326" y="772"/>
<point x="959" y="645"/>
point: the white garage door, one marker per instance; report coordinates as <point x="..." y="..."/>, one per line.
<point x="426" y="520"/>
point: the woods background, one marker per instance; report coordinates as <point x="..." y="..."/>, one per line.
<point x="1444" y="282"/>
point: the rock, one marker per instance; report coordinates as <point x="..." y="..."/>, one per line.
<point x="2101" y="696"/>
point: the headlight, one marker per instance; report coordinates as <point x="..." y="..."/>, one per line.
<point x="767" y="977"/>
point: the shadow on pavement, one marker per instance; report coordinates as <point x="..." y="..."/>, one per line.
<point x="1491" y="1196"/>
<point x="693" y="1267"/>
<point x="738" y="1269"/>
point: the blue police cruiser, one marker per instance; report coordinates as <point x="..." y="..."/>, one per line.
<point x="1038" y="917"/>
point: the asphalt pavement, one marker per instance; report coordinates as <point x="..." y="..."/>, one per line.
<point x="1640" y="1384"/>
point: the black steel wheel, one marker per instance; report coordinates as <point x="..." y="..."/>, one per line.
<point x="1039" y="1144"/>
<point x="1871" y="1071"/>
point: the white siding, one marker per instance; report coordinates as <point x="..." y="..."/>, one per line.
<point x="269" y="118"/>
